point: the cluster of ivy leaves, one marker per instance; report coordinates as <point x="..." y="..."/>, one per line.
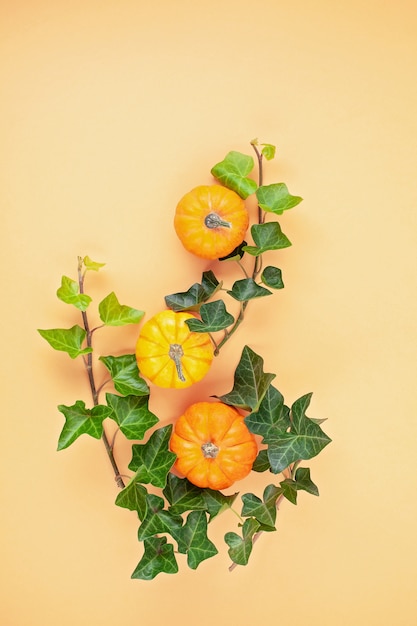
<point x="177" y="520"/>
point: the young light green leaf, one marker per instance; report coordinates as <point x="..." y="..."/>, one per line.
<point x="289" y="490"/>
<point x="153" y="460"/>
<point x="233" y="172"/>
<point x="68" y="340"/>
<point x="250" y="382"/>
<point x="125" y="375"/>
<point x="276" y="198"/>
<point x="132" y="414"/>
<point x="272" y="277"/>
<point x="133" y="497"/>
<point x="267" y="236"/>
<point x="268" y="151"/>
<point x="112" y="313"/>
<point x="192" y="299"/>
<point x="272" y="417"/>
<point x="182" y="495"/>
<point x="69" y="292"/>
<point x="264" y="510"/>
<point x="214" y="317"/>
<point x="304" y="482"/>
<point x="92" y="265"/>
<point x="79" y="421"/>
<point x="192" y="539"/>
<point x="240" y="548"/>
<point x="158" y="520"/>
<point x="158" y="557"/>
<point x="247" y="289"/>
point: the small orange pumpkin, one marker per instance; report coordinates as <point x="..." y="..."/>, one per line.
<point x="213" y="445"/>
<point x="169" y="354"/>
<point x="211" y="221"/>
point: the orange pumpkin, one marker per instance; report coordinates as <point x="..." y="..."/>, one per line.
<point x="213" y="445"/>
<point x="169" y="354"/>
<point x="211" y="221"/>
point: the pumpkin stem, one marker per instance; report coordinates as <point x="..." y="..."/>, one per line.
<point x="212" y="220"/>
<point x="210" y="450"/>
<point x="175" y="353"/>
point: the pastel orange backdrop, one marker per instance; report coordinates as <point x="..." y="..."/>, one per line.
<point x="110" y="112"/>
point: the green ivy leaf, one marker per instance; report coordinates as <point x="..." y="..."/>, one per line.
<point x="69" y="292"/>
<point x="250" y="382"/>
<point x="304" y="482"/>
<point x="79" y="421"/>
<point x="92" y="265"/>
<point x="268" y="236"/>
<point x="125" y="375"/>
<point x="131" y="413"/>
<point x="272" y="277"/>
<point x="304" y="441"/>
<point x="182" y="495"/>
<point x="158" y="557"/>
<point x="289" y="490"/>
<point x="247" y="289"/>
<point x="264" y="510"/>
<point x="133" y="497"/>
<point x="233" y="172"/>
<point x="217" y="502"/>
<point x="268" y="151"/>
<point x="157" y="519"/>
<point x="272" y="417"/>
<point x="192" y="299"/>
<point x="210" y="283"/>
<point x="214" y="317"/>
<point x="68" y="340"/>
<point x="261" y="463"/>
<point x="153" y="460"/>
<point x="276" y="198"/>
<point x="112" y="313"/>
<point x="192" y="539"/>
<point x="240" y="548"/>
<point x="236" y="254"/>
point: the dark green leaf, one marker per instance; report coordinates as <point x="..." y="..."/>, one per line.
<point x="69" y="292"/>
<point x="276" y="198"/>
<point x="272" y="417"/>
<point x="268" y="236"/>
<point x="240" y="548"/>
<point x="158" y="557"/>
<point x="158" y="520"/>
<point x="272" y="277"/>
<point x="233" y="172"/>
<point x="192" y="539"/>
<point x="192" y="299"/>
<point x="210" y="283"/>
<point x="92" y="265"/>
<point x="265" y="510"/>
<point x="183" y="496"/>
<point x="261" y="463"/>
<point x="236" y="254"/>
<point x="132" y="414"/>
<point x="214" y="317"/>
<point x="247" y="289"/>
<point x="133" y="497"/>
<point x="112" y="313"/>
<point x="68" y="340"/>
<point x="79" y="421"/>
<point x="216" y="502"/>
<point x="304" y="482"/>
<point x="289" y="490"/>
<point x="250" y="382"/>
<point x="153" y="460"/>
<point x="125" y="374"/>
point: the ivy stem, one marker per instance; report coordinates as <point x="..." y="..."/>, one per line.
<point x="88" y="362"/>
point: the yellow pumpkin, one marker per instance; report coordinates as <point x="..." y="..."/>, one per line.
<point x="169" y="354"/>
<point x="211" y="221"/>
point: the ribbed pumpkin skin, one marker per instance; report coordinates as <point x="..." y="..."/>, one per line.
<point x="222" y="425"/>
<point x="153" y="346"/>
<point x="193" y="209"/>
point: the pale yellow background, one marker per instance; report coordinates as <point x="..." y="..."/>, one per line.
<point x="110" y="111"/>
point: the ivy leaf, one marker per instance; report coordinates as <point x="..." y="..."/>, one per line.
<point x="214" y="317"/>
<point x="112" y="313"/>
<point x="79" y="420"/>
<point x="131" y="413"/>
<point x="240" y="548"/>
<point x="267" y="236"/>
<point x="133" y="497"/>
<point x="247" y="289"/>
<point x="276" y="198"/>
<point x="192" y="299"/>
<point x="250" y="382"/>
<point x="125" y="375"/>
<point x="92" y="265"/>
<point x="304" y="482"/>
<point x="233" y="172"/>
<point x="268" y="151"/>
<point x="69" y="292"/>
<point x="265" y="510"/>
<point x="272" y="417"/>
<point x="217" y="502"/>
<point x="158" y="557"/>
<point x="193" y="541"/>
<point x="210" y="283"/>
<point x="289" y="490"/>
<point x="304" y="441"/>
<point x="67" y="339"/>
<point x="261" y="463"/>
<point x="272" y="277"/>
<point x="153" y="460"/>
<point x="182" y="495"/>
<point x="236" y="254"/>
<point x="158" y="520"/>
